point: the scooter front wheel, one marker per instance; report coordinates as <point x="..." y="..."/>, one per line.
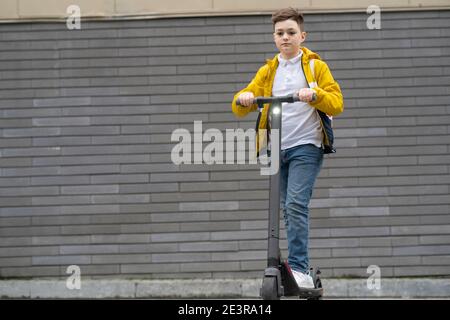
<point x="269" y="290"/>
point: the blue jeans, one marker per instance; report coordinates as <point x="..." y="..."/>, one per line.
<point x="299" y="168"/>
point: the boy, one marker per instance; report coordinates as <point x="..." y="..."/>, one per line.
<point x="306" y="130"/>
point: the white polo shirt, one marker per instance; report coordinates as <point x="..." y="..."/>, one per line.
<point x="300" y="121"/>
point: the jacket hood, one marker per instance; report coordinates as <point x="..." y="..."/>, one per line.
<point x="310" y="54"/>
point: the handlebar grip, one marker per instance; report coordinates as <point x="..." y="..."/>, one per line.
<point x="238" y="102"/>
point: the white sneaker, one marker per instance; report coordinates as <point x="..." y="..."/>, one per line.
<point x="303" y="280"/>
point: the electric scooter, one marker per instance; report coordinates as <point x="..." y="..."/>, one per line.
<point x="278" y="279"/>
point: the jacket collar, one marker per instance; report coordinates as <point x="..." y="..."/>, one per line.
<point x="306" y="56"/>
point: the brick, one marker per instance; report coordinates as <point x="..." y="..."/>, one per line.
<point x="360" y="211"/>
<point x="15" y="123"/>
<point x="36" y="112"/>
<point x="421" y="250"/>
<point x="27" y="251"/>
<point x="388" y="201"/>
<point x="148" y="248"/>
<point x="206" y="206"/>
<point x="82" y="131"/>
<point x="119" y="238"/>
<point x="59" y="180"/>
<point x="31" y="132"/>
<point x="436" y="260"/>
<point x="116" y="218"/>
<point x="149" y="227"/>
<point x="94" y="169"/>
<point x="240" y="255"/>
<point x="388" y="161"/>
<point x="130" y="198"/>
<point x="367" y="231"/>
<point x="51" y="122"/>
<point x="30" y="231"/>
<point x="212" y="266"/>
<point x="180" y="237"/>
<point x="37" y="201"/>
<point x="61" y="141"/>
<point x="162" y="207"/>
<point x="362" y="252"/>
<point x="15" y="262"/>
<point x="420" y="270"/>
<point x="210" y="226"/>
<point x="433" y="239"/>
<point x="419" y="190"/>
<point x="12" y="142"/>
<point x="154" y="188"/>
<point x="333" y="202"/>
<point x="181" y="257"/>
<point x="149" y="268"/>
<point x="30" y="152"/>
<point x="15" y="222"/>
<point x="208" y="186"/>
<point x="125" y="139"/>
<point x="123" y="258"/>
<point x="180" y="217"/>
<point x="61" y="260"/>
<point x="30" y="191"/>
<point x="90" y="229"/>
<point x="29" y="211"/>
<point x="15" y="201"/>
<point x="209" y="246"/>
<point x="180" y="197"/>
<point x="343" y="192"/>
<point x="171" y="177"/>
<point x="153" y="168"/>
<point x="358" y="172"/>
<point x="239" y="235"/>
<point x="62" y="102"/>
<point x="100" y="189"/>
<point x="419" y="230"/>
<point x="30" y="271"/>
<point x="404" y="241"/>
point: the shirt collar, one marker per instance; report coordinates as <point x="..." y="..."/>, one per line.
<point x="285" y="62"/>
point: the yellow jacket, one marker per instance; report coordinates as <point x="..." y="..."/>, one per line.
<point x="329" y="97"/>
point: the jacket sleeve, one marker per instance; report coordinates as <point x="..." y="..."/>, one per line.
<point x="257" y="87"/>
<point x="329" y="95"/>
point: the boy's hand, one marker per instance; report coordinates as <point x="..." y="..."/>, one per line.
<point x="246" y="99"/>
<point x="306" y="94"/>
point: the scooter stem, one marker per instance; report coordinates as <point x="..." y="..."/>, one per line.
<point x="273" y="253"/>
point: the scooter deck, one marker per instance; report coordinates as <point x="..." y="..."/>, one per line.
<point x="292" y="289"/>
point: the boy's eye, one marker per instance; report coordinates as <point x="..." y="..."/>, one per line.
<point x="291" y="33"/>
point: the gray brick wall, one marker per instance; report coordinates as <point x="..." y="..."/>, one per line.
<point x="86" y="120"/>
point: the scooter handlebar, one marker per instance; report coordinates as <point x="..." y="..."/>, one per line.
<point x="260" y="101"/>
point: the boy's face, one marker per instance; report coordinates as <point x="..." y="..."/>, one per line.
<point x="288" y="38"/>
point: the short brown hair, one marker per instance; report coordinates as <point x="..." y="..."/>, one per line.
<point x="288" y="14"/>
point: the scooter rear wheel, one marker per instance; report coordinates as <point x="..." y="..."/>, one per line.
<point x="269" y="290"/>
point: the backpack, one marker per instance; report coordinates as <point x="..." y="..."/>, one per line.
<point x="327" y="121"/>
